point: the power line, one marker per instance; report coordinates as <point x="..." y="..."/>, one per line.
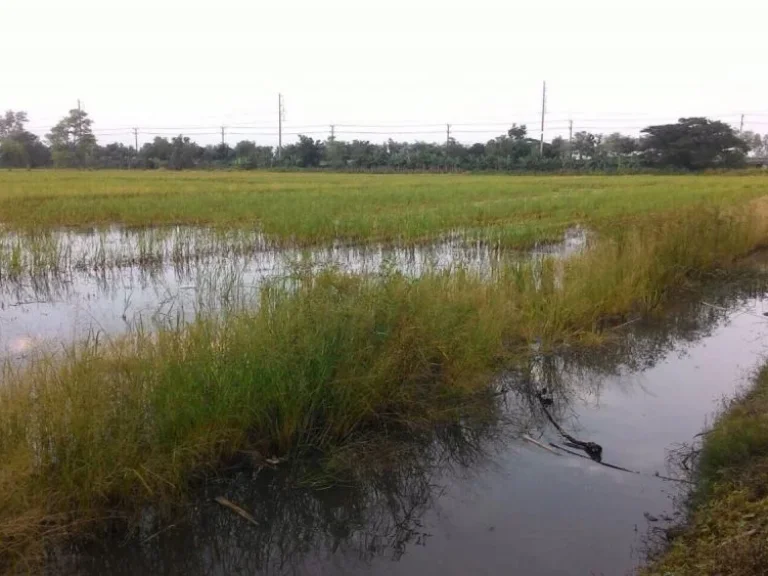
<point x="390" y="132"/>
<point x="590" y="123"/>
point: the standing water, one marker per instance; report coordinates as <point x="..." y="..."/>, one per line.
<point x="68" y="285"/>
<point x="482" y="499"/>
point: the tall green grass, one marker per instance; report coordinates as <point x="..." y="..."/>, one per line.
<point x="107" y="426"/>
<point x="320" y="208"/>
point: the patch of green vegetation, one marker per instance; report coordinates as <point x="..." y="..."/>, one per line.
<point x="109" y="426"/>
<point x="313" y="208"/>
<point x="727" y="531"/>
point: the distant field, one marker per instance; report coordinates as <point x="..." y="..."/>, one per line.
<point x="307" y="208"/>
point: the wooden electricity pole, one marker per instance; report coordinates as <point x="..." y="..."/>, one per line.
<point x="543" y="111"/>
<point x="279" y="126"/>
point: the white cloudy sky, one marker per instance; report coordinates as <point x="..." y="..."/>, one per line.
<point x="175" y="64"/>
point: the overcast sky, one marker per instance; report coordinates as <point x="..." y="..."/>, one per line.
<point x="610" y="65"/>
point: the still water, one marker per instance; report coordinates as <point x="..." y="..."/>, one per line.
<point x="74" y="284"/>
<point x="479" y="498"/>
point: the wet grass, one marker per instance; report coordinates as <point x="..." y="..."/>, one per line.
<point x="108" y="426"/>
<point x="32" y="254"/>
<point x="727" y="532"/>
<point x="307" y="209"/>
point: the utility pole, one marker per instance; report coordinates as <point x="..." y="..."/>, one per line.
<point x="447" y="135"/>
<point x="543" y="111"/>
<point x="136" y="147"/>
<point x="279" y="126"/>
<point x="741" y="124"/>
<point x="570" y="140"/>
<point x="79" y="125"/>
<point x="222" y="134"/>
<point x="333" y="131"/>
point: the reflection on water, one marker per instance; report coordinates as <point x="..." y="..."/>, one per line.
<point x="69" y="284"/>
<point x="475" y="498"/>
<point x="364" y="511"/>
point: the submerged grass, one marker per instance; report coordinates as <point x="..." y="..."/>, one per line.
<point x="727" y="532"/>
<point x="312" y="208"/>
<point x="107" y="427"/>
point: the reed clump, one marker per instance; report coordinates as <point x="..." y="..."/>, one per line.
<point x="106" y="427"/>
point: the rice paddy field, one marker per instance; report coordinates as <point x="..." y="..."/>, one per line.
<point x="312" y="209"/>
<point x="159" y="330"/>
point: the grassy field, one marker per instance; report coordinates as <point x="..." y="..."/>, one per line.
<point x="311" y="208"/>
<point x="728" y="525"/>
<point x="109" y="427"/>
<point x="102" y="428"/>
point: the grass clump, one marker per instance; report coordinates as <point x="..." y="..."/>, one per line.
<point x="108" y="427"/>
<point x="727" y="531"/>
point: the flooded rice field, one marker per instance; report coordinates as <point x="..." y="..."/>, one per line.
<point x="514" y="494"/>
<point x="67" y="285"/>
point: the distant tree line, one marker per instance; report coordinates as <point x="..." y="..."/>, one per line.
<point x="690" y="144"/>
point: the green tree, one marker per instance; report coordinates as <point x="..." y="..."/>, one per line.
<point x="758" y="145"/>
<point x="19" y="148"/>
<point x="249" y="155"/>
<point x="585" y="145"/>
<point x="336" y="153"/>
<point x="184" y="153"/>
<point x="13" y="154"/>
<point x="694" y="144"/>
<point x="115" y="155"/>
<point x="156" y="154"/>
<point x="12" y="123"/>
<point x="72" y="141"/>
<point x="558" y="148"/>
<point x="309" y="152"/>
<point x="617" y="144"/>
<point x="518" y="133"/>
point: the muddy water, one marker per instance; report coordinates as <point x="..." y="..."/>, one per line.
<point x="481" y="499"/>
<point x="73" y="284"/>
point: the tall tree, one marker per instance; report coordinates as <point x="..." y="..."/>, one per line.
<point x="12" y="123"/>
<point x="72" y="141"/>
<point x="518" y="132"/>
<point x="308" y="151"/>
<point x="337" y="153"/>
<point x="694" y="144"/>
<point x="617" y="144"/>
<point x="184" y="153"/>
<point x="558" y="148"/>
<point x="19" y="148"/>
<point x="585" y="144"/>
<point x="758" y="145"/>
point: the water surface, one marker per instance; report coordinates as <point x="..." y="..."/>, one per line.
<point x="479" y="499"/>
<point x="74" y="284"/>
